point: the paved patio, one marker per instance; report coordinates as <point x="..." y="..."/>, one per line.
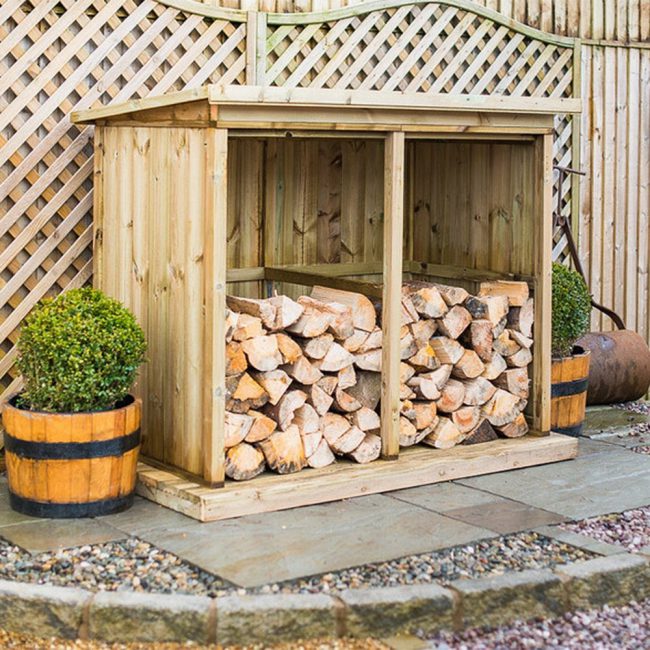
<point x="606" y="477"/>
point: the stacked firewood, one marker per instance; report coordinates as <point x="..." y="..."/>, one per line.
<point x="303" y="377"/>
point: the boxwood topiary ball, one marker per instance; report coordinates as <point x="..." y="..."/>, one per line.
<point x="571" y="309"/>
<point x="79" y="352"/>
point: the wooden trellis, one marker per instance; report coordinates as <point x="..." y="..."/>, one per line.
<point x="57" y="56"/>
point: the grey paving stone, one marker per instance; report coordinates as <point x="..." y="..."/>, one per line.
<point x="272" y="547"/>
<point x="505" y="516"/>
<point x="442" y="497"/>
<point x="587" y="446"/>
<point x="611" y="421"/>
<point x="242" y="620"/>
<point x="581" y="541"/>
<point x="42" y="610"/>
<point x="497" y="600"/>
<point x="51" y="535"/>
<point x="624" y="440"/>
<point x="135" y="617"/>
<point x="9" y="517"/>
<point x="591" y="485"/>
<point x="613" y="580"/>
<point x="397" y="610"/>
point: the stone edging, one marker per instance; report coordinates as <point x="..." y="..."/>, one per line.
<point x="68" y="612"/>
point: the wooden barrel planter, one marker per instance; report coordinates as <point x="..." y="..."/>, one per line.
<point x="569" y="382"/>
<point x="65" y="465"/>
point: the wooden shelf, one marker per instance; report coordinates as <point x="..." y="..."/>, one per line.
<point x="343" y="480"/>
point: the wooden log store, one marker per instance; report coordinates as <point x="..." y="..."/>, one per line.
<point x="452" y="190"/>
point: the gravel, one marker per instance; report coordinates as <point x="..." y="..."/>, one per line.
<point x="642" y="449"/>
<point x="620" y="628"/>
<point x="130" y="564"/>
<point x="641" y="406"/>
<point x="630" y="529"/>
<point x="487" y="557"/>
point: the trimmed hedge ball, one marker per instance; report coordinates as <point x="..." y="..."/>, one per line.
<point x="79" y="352"/>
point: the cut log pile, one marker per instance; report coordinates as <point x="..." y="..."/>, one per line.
<point x="303" y="377"/>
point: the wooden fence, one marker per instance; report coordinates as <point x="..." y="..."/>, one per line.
<point x="62" y="55"/>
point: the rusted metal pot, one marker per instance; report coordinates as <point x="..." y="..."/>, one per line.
<point x="620" y="366"/>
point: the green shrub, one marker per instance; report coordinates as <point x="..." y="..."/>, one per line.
<point x="571" y="309"/>
<point x="79" y="352"/>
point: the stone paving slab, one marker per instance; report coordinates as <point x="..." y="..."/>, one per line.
<point x="443" y="497"/>
<point x="590" y="485"/>
<point x="581" y="541"/>
<point x="607" y="420"/>
<point x="9" y="517"/>
<point x="272" y="547"/>
<point x="52" y="535"/>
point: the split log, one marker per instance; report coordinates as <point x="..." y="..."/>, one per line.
<point x="515" y="292"/>
<point x="515" y="429"/>
<point x="409" y="434"/>
<point x="328" y="383"/>
<point x="452" y="295"/>
<point x="341" y="322"/>
<point x="466" y="418"/>
<point x="440" y="377"/>
<point x="520" y="359"/>
<point x="248" y="327"/>
<point x="306" y="419"/>
<point x="283" y="411"/>
<point x="422" y="331"/>
<point x="500" y="327"/>
<point x="274" y="382"/>
<point x="284" y="451"/>
<point x="237" y="426"/>
<point x="480" y="338"/>
<point x="363" y="311"/>
<point x="353" y="343"/>
<point x="244" y="462"/>
<point x="322" y="457"/>
<point x="367" y="390"/>
<point x="369" y="361"/>
<point x="447" y="350"/>
<point x="505" y="346"/>
<point x="336" y="359"/>
<point x="492" y="308"/>
<point x="451" y="396"/>
<point x="311" y="442"/>
<point x="348" y="441"/>
<point x="369" y="449"/>
<point x="347" y="377"/>
<point x="287" y="312"/>
<point x="484" y="432"/>
<point x="333" y="427"/>
<point x="522" y="318"/>
<point x="428" y="302"/>
<point x="478" y="391"/>
<point x="304" y="371"/>
<point x="405" y="392"/>
<point x="407" y="344"/>
<point x="524" y="341"/>
<point x="231" y="324"/>
<point x="261" y="309"/>
<point x="262" y="352"/>
<point x="311" y="324"/>
<point x="494" y="367"/>
<point x="373" y="341"/>
<point x="469" y="366"/>
<point x="445" y="435"/>
<point x="248" y="390"/>
<point x="344" y="402"/>
<point x="235" y="359"/>
<point x="409" y="313"/>
<point x="515" y="381"/>
<point x="424" y="388"/>
<point x="502" y="408"/>
<point x="289" y="349"/>
<point x="262" y="428"/>
<point x="422" y="414"/>
<point x="454" y="322"/>
<point x="425" y="359"/>
<point x="365" y="419"/>
<point x="318" y="398"/>
<point x="405" y="372"/>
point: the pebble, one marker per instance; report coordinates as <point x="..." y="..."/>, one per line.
<point x="630" y="529"/>
<point x="611" y="628"/>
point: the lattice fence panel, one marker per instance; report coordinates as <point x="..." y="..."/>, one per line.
<point x="56" y="57"/>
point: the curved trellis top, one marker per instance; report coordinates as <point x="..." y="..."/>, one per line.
<point x="433" y="47"/>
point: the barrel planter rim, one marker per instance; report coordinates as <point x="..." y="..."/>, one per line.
<point x="87" y="461"/>
<point x="576" y="352"/>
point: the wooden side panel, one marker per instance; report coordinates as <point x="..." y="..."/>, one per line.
<point x="152" y="238"/>
<point x="471" y="203"/>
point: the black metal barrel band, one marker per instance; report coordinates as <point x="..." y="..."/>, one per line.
<point x="567" y="388"/>
<point x="574" y="431"/>
<point x="72" y="450"/>
<point x="70" y="510"/>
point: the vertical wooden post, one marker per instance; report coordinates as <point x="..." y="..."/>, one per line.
<point x="251" y="48"/>
<point x="392" y="291"/>
<point x="543" y="238"/>
<point x="98" y="207"/>
<point x="215" y="305"/>
<point x="260" y="49"/>
<point x="576" y="128"/>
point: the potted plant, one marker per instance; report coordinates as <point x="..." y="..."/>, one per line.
<point x="72" y="436"/>
<point x="570" y="362"/>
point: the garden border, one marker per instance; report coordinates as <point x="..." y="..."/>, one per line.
<point x="68" y="612"/>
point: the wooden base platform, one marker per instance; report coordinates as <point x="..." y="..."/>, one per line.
<point x="416" y="466"/>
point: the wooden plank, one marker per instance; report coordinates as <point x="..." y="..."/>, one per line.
<point x="216" y="218"/>
<point x="416" y="466"/>
<point x="392" y="292"/>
